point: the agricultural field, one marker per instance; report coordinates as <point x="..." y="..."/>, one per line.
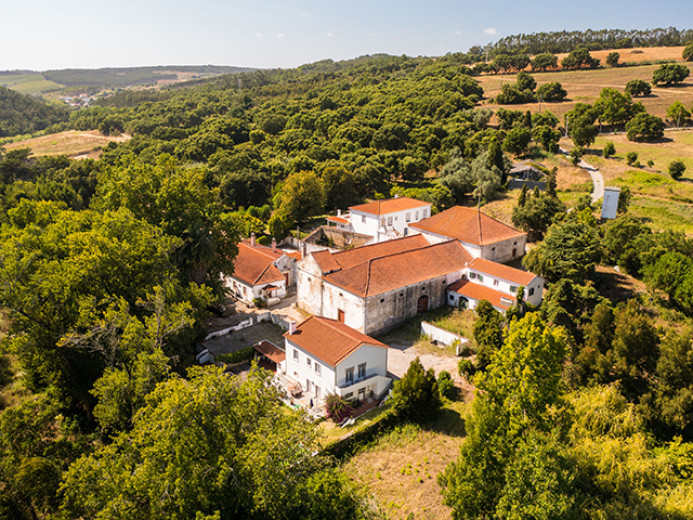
<point x="584" y="86"/>
<point x="28" y="83"/>
<point x="73" y="143"/>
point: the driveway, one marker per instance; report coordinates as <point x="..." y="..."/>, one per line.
<point x="595" y="175"/>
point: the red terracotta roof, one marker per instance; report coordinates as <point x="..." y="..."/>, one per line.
<point x="479" y="292"/>
<point x="401" y="269"/>
<point x="383" y="207"/>
<point x="338" y="220"/>
<point x="330" y="262"/>
<point x="467" y="225"/>
<point x="254" y="265"/>
<point x="270" y="351"/>
<point x="504" y="272"/>
<point x="329" y="340"/>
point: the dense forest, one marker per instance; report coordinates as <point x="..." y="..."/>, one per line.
<point x="22" y="114"/>
<point x="109" y="269"/>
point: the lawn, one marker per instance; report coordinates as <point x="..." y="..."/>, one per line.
<point x="399" y="470"/>
<point x="72" y="143"/>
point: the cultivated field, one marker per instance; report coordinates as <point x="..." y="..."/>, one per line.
<point x="27" y="83"/>
<point x="584" y="86"/>
<point x="73" y="143"/>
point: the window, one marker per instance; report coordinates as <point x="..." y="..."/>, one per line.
<point x="480" y="277"/>
<point x="295" y="355"/>
<point x="513" y="288"/>
<point x="350" y="375"/>
<point x="362" y="371"/>
<point x="408" y="217"/>
<point x="349" y="395"/>
<point x="308" y="361"/>
<point x="309" y="385"/>
<point x="531" y="291"/>
<point x="495" y="282"/>
<point x="416" y="215"/>
<point x="424" y="213"/>
<point x="396" y="219"/>
<point x="318" y="368"/>
<point x="451" y="297"/>
<point x="382" y="300"/>
<point x="389" y="221"/>
<point x="317" y="392"/>
<point x="363" y="219"/>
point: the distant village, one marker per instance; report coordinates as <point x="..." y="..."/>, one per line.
<point x="365" y="273"/>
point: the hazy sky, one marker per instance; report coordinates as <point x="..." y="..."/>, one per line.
<point x="55" y="34"/>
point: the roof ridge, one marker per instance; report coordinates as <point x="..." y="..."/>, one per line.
<point x="262" y="272"/>
<point x="331" y="323"/>
<point x="369" y="245"/>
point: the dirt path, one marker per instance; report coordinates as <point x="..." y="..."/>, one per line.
<point x="595" y="175"/>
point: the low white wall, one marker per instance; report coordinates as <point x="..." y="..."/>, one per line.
<point x="442" y="336"/>
<point x="253" y="320"/>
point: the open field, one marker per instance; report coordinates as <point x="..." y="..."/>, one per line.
<point x="73" y="143"/>
<point x="584" y="86"/>
<point x="657" y="198"/>
<point x="636" y="54"/>
<point x="400" y="469"/>
<point x="27" y="83"/>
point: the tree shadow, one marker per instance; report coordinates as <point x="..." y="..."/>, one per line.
<point x="614" y="285"/>
<point x="448" y="422"/>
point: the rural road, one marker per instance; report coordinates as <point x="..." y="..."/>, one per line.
<point x="595" y="175"/>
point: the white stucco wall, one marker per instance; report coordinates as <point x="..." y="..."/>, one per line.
<point x="399" y="221"/>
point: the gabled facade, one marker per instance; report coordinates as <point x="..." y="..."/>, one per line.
<point x="325" y="356"/>
<point x="387" y="219"/>
<point x="497" y="283"/>
<point x="261" y="272"/>
<point x="482" y="236"/>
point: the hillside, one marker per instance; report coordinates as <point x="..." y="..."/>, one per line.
<point x="22" y="114"/>
<point x="72" y="143"/>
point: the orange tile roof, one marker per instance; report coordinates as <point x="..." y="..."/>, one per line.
<point x="504" y="272"/>
<point x="329" y="340"/>
<point x="339" y="220"/>
<point x="467" y="225"/>
<point x="330" y="262"/>
<point x="270" y="351"/>
<point x="383" y="207"/>
<point x="477" y="291"/>
<point x="401" y="269"/>
<point x="254" y="265"/>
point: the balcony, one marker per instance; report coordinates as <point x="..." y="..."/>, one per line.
<point x="377" y="383"/>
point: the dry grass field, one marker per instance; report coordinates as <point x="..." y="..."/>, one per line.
<point x="73" y="143"/>
<point x="657" y="198"/>
<point x="584" y="86"/>
<point x="399" y="470"/>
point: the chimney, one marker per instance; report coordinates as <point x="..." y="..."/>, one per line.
<point x="252" y="239"/>
<point x="339" y="212"/>
<point x="274" y="243"/>
<point x="292" y="327"/>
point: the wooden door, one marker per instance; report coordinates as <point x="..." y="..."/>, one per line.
<point x="422" y="305"/>
<point x="340" y="315"/>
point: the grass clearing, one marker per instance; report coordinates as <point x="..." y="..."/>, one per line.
<point x="27" y="82"/>
<point x="73" y="143"/>
<point x="399" y="470"/>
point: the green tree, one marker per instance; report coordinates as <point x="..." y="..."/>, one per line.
<point x="517" y="140"/>
<point x="609" y="149"/>
<point x="525" y="81"/>
<point x="580" y="121"/>
<point x="416" y="395"/>
<point x="616" y="108"/>
<point x="300" y="197"/>
<point x="687" y="53"/>
<point x="612" y="59"/>
<point x="205" y="445"/>
<point x="544" y="61"/>
<point x="552" y="91"/>
<point x="677" y="113"/>
<point x="638" y="87"/>
<point x="670" y="74"/>
<point x="515" y="393"/>
<point x="676" y="169"/>
<point x="538" y="213"/>
<point x="569" y="250"/>
<point x="488" y="333"/>
<point x="644" y="128"/>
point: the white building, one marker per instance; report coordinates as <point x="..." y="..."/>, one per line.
<point x="483" y="236"/>
<point x="261" y="272"/>
<point x="383" y="219"/>
<point x="496" y="283"/>
<point x="325" y="356"/>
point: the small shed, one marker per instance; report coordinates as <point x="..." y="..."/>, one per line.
<point x="270" y="356"/>
<point x="610" y="202"/>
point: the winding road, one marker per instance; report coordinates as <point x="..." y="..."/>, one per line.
<point x="595" y="175"/>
